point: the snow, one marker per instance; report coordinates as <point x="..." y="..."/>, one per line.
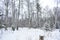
<point x="54" y="35"/>
<point x="28" y="34"/>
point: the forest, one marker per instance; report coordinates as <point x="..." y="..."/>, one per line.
<point x="28" y="13"/>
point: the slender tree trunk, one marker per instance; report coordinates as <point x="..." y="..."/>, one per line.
<point x="18" y="14"/>
<point x="56" y="16"/>
<point x="13" y="14"/>
<point x="28" y="2"/>
<point x="6" y="11"/>
<point x="37" y="13"/>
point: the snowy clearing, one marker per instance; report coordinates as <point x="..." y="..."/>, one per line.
<point x="28" y="34"/>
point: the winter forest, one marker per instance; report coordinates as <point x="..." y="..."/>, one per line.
<point x="28" y="13"/>
<point x="29" y="19"/>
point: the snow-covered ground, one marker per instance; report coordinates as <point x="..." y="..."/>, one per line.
<point x="28" y="34"/>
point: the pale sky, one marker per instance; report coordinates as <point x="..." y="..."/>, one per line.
<point x="49" y="3"/>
